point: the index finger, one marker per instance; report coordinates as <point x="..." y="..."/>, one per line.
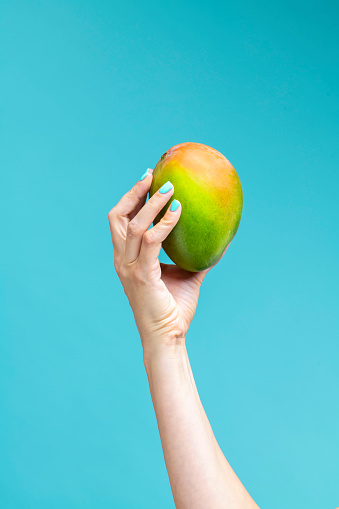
<point x="127" y="207"/>
<point x="135" y="197"/>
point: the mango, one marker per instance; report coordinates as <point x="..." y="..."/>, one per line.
<point x="209" y="190"/>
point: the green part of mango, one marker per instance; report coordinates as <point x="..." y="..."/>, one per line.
<point x="206" y="225"/>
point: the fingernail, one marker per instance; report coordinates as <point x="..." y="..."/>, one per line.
<point x="166" y="187"/>
<point x="145" y="174"/>
<point x="174" y="205"/>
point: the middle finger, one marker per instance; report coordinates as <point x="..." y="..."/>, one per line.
<point x="143" y="220"/>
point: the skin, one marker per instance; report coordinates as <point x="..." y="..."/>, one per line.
<point x="164" y="299"/>
<point x="210" y="191"/>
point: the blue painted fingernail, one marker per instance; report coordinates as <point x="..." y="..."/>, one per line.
<point x="166" y="187"/>
<point x="174" y="205"/>
<point x="145" y="174"/>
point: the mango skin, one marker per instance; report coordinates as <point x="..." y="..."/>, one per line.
<point x="209" y="190"/>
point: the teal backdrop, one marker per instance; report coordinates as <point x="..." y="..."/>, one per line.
<point x="92" y="93"/>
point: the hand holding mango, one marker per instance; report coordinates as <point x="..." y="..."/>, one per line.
<point x="209" y="190"/>
<point x="195" y="229"/>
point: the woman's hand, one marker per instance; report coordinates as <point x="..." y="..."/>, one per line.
<point x="163" y="297"/>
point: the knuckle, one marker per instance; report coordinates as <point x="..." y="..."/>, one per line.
<point x="117" y="266"/>
<point x="112" y="215"/>
<point x="132" y="273"/>
<point x="133" y="229"/>
<point x="123" y="271"/>
<point x="138" y="275"/>
<point x="134" y="192"/>
<point x="166" y="223"/>
<point x="150" y="237"/>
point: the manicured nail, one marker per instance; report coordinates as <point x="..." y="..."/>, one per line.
<point x="145" y="174"/>
<point x="166" y="187"/>
<point x="174" y="205"/>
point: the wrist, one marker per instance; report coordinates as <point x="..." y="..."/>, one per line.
<point x="158" y="350"/>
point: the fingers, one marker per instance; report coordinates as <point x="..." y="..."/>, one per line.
<point x="143" y="220"/>
<point x="126" y="208"/>
<point x="136" y="196"/>
<point x="152" y="239"/>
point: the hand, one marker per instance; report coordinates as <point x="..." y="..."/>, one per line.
<point x="163" y="297"/>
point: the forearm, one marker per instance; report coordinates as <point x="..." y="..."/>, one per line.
<point x="199" y="473"/>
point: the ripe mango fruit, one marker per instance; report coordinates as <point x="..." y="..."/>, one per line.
<point x="210" y="193"/>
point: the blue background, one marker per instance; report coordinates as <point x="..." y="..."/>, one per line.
<point x="92" y="93"/>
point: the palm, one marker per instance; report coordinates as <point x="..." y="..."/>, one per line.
<point x="184" y="286"/>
